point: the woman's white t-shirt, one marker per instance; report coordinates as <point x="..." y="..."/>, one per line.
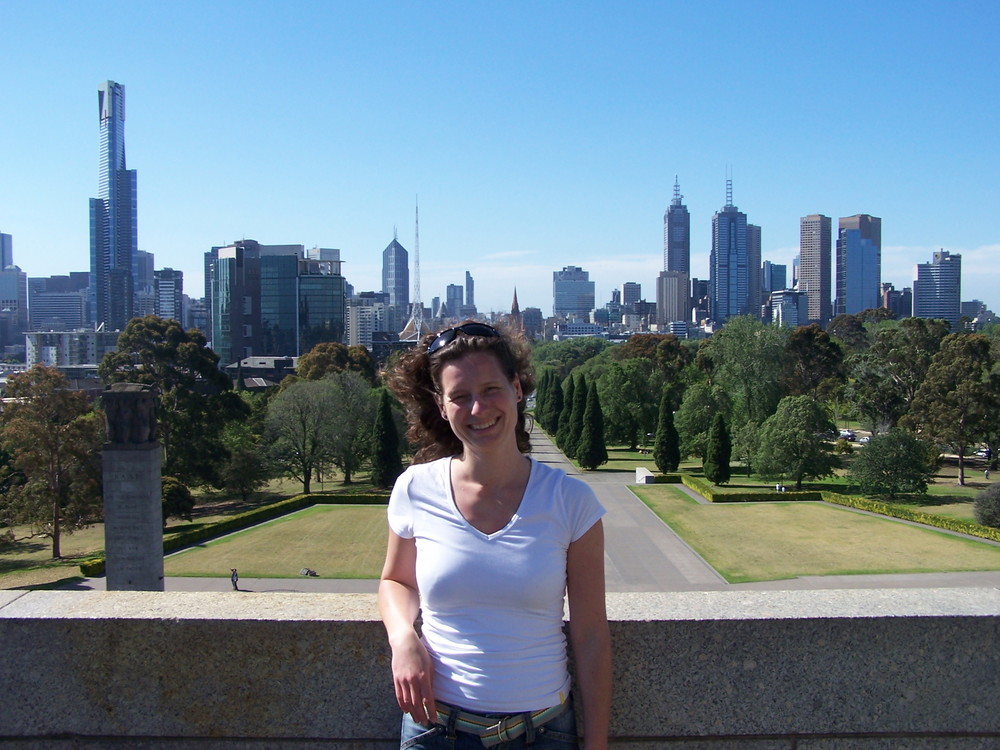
<point x="492" y="604"/>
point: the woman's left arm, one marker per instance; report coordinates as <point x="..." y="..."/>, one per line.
<point x="589" y="635"/>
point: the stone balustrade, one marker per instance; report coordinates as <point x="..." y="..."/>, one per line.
<point x="760" y="670"/>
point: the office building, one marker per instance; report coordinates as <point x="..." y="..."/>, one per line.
<point x="572" y="294"/>
<point x="272" y="300"/>
<point x="789" y="308"/>
<point x="168" y="286"/>
<point x="58" y="303"/>
<point x="6" y="250"/>
<point x="900" y="303"/>
<point x="677" y="234"/>
<point x="734" y="276"/>
<point x="631" y="293"/>
<point x="937" y="288"/>
<point x="470" y="294"/>
<point x="754" y="290"/>
<point x="673" y="298"/>
<point x="774" y="277"/>
<point x="144" y="280"/>
<point x="453" y="301"/>
<point x="113" y="223"/>
<point x="396" y="282"/>
<point x="859" y="264"/>
<point x="13" y="305"/>
<point x="815" y="266"/>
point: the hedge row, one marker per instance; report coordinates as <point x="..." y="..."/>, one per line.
<point x="173" y="542"/>
<point x="707" y="490"/>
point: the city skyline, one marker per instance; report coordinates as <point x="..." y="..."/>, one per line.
<point x="536" y="137"/>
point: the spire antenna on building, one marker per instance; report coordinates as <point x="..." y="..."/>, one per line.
<point x="678" y="198"/>
<point x="415" y="327"/>
<point x="729" y="189"/>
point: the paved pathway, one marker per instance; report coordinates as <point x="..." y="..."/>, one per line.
<point x="641" y="553"/>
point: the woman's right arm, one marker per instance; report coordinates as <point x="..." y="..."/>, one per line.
<point x="399" y="604"/>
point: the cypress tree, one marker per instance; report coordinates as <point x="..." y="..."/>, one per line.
<point x="555" y="403"/>
<point x="386" y="463"/>
<point x="576" y="417"/>
<point x="562" y="428"/>
<point x="667" y="447"/>
<point x="591" y="451"/>
<point x="541" y="397"/>
<point x="718" y="451"/>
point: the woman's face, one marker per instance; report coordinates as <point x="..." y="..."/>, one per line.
<point x="478" y="401"/>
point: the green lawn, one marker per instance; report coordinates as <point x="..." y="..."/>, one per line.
<point x="337" y="541"/>
<point x="772" y="541"/>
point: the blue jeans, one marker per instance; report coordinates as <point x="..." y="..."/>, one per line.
<point x="558" y="734"/>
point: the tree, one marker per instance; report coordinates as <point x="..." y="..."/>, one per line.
<point x="247" y="468"/>
<point x="987" y="506"/>
<point x="749" y="358"/>
<point x="718" y="451"/>
<point x="814" y="363"/>
<point x="196" y="398"/>
<point x="959" y="395"/>
<point x="893" y="463"/>
<point x="386" y="461"/>
<point x="576" y="416"/>
<point x="352" y="429"/>
<point x="666" y="448"/>
<point x="849" y="331"/>
<point x="177" y="499"/>
<point x="553" y="403"/>
<point x="566" y="414"/>
<point x="628" y="403"/>
<point x="794" y="441"/>
<point x="299" y="429"/>
<point x="54" y="439"/>
<point x="591" y="450"/>
<point x="701" y="402"/>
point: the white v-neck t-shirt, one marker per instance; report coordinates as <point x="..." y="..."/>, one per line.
<point x="492" y="604"/>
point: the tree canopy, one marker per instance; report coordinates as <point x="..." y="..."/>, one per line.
<point x="794" y="441"/>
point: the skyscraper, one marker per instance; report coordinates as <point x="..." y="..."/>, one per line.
<point x="937" y="288"/>
<point x="113" y="225"/>
<point x="859" y="264"/>
<point x="470" y="292"/>
<point x="677" y="234"/>
<point x="774" y="277"/>
<point x="6" y="250"/>
<point x="815" y="245"/>
<point x="572" y="293"/>
<point x="169" y="292"/>
<point x="396" y="282"/>
<point x="732" y="276"/>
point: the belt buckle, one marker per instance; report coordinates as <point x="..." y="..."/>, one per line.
<point x="500" y="730"/>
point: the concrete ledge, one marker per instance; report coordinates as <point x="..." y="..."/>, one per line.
<point x="914" y="668"/>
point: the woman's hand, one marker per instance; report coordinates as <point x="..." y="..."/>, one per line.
<point x="412" y="673"/>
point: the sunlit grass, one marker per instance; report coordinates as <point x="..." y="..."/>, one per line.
<point x="772" y="541"/>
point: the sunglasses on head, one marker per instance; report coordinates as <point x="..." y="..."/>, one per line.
<point x="469" y="329"/>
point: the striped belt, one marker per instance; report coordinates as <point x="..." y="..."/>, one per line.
<point x="492" y="730"/>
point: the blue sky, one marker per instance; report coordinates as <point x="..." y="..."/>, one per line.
<point x="536" y="134"/>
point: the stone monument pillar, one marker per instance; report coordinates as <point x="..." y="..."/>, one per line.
<point x="133" y="504"/>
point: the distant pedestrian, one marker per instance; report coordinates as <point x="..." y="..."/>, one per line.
<point x="235" y="578"/>
<point x="987" y="473"/>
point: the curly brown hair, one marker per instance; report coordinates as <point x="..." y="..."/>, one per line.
<point x="415" y="379"/>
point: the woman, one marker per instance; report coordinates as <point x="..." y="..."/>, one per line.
<point x="484" y="543"/>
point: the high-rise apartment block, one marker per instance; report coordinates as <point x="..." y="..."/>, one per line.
<point x="859" y="264"/>
<point x="815" y="263"/>
<point x="677" y="234"/>
<point x="573" y="293"/>
<point x="113" y="223"/>
<point x="937" y="288"/>
<point x="734" y="265"/>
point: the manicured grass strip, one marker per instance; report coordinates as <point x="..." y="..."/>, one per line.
<point x="335" y="541"/>
<point x="774" y="541"/>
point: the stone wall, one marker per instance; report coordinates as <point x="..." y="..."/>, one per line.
<point x="809" y="670"/>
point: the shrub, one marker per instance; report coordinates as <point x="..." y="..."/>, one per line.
<point x="987" y="507"/>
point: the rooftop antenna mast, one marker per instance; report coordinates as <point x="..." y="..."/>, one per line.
<point x="729" y="186"/>
<point x="418" y="305"/>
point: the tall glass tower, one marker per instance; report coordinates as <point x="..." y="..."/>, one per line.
<point x="730" y="271"/>
<point x="677" y="234"/>
<point x="113" y="232"/>
<point x="396" y="283"/>
<point x="859" y="264"/>
<point x="937" y="288"/>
